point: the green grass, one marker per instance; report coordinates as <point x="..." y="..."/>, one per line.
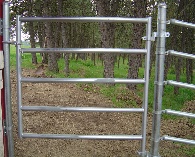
<point x="26" y="59"/>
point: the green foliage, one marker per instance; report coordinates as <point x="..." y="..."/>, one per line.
<point x="25" y="59"/>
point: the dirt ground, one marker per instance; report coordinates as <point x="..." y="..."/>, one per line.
<point x="87" y="123"/>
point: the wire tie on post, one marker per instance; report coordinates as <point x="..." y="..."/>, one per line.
<point x="158" y="83"/>
<point x="160" y="53"/>
<point x="157" y="112"/>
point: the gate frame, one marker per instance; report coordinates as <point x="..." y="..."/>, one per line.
<point x="144" y="81"/>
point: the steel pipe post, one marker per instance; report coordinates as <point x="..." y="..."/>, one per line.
<point x="19" y="74"/>
<point x="3" y="138"/>
<point x="143" y="152"/>
<point x="6" y="48"/>
<point x="159" y="79"/>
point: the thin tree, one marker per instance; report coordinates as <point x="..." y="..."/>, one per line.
<point x="139" y="10"/>
<point x="107" y="8"/>
<point x="52" y="57"/>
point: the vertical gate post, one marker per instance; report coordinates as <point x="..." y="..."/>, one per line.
<point x="143" y="152"/>
<point x="7" y="82"/>
<point x="19" y="74"/>
<point x="3" y="139"/>
<point x="159" y="80"/>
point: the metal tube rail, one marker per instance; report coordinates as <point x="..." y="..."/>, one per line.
<point x="19" y="75"/>
<point x="84" y="50"/>
<point x="180" y="84"/>
<point x="79" y="109"/>
<point x="7" y="82"/>
<point x="159" y="80"/>
<point x="182" y="23"/>
<point x="143" y="152"/>
<point x="179" y="113"/>
<point x="181" y="54"/>
<point x="81" y="80"/>
<point x="86" y="137"/>
<point x="175" y="139"/>
<point x="84" y="19"/>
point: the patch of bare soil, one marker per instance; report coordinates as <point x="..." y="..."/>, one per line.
<point x="83" y="123"/>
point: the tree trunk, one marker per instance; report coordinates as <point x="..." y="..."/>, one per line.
<point x="52" y="58"/>
<point x="107" y="8"/>
<point x="32" y="32"/>
<point x="66" y="55"/>
<point x="32" y="42"/>
<point x="64" y="38"/>
<point x="107" y="32"/>
<point x="138" y="29"/>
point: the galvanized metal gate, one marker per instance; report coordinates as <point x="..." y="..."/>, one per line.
<point x="145" y="80"/>
<point x="161" y="35"/>
<point x="159" y="81"/>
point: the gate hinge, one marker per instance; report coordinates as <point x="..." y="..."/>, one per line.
<point x="1" y="69"/>
<point x="155" y="34"/>
<point x="1" y="26"/>
<point x="1" y="60"/>
<point x="4" y="127"/>
<point x="1" y="79"/>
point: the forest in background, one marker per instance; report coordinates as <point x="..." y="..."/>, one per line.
<point x="107" y="35"/>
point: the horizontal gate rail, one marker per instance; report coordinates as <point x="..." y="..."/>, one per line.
<point x="84" y="50"/>
<point x="80" y="109"/>
<point x="182" y="23"/>
<point x="180" y="84"/>
<point x="175" y="139"/>
<point x="87" y="137"/>
<point x="181" y="54"/>
<point x="82" y="80"/>
<point x="179" y="113"/>
<point x="84" y="19"/>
